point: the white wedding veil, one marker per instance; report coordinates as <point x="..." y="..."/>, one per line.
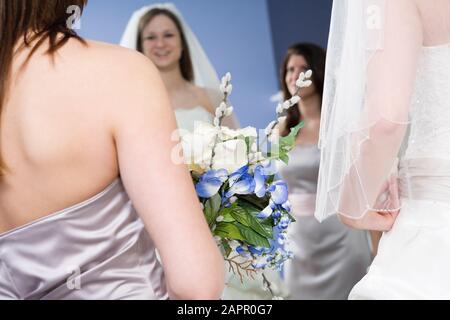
<point x="372" y="57"/>
<point x="204" y="73"/>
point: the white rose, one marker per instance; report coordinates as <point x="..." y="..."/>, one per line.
<point x="256" y="157"/>
<point x="228" y="133"/>
<point x="248" y="132"/>
<point x="230" y="155"/>
<point x="197" y="146"/>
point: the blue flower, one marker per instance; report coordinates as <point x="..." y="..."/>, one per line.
<point x="267" y="212"/>
<point x="244" y="253"/>
<point x="259" y="265"/>
<point x="211" y="182"/>
<point x="275" y="242"/>
<point x="281" y="240"/>
<point x="255" y="251"/>
<point x="259" y="251"/>
<point x="287" y="206"/>
<point x="284" y="222"/>
<point x="235" y="176"/>
<point x="246" y="185"/>
<point x="276" y="214"/>
<point x="260" y="182"/>
<point x="278" y="252"/>
<point x="279" y="192"/>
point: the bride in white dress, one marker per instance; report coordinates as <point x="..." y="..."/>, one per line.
<point x="385" y="140"/>
<point x="160" y="32"/>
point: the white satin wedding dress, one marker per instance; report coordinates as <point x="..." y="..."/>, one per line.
<point x="414" y="257"/>
<point x="186" y="118"/>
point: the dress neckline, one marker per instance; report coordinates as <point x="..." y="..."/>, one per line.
<point x="64" y="211"/>
<point x="191" y="109"/>
<point x="306" y="145"/>
<point x="439" y="46"/>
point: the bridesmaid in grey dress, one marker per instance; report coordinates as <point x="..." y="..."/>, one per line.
<point x="82" y="120"/>
<point x="329" y="258"/>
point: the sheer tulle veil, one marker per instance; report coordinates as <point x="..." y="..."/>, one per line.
<point x="370" y="76"/>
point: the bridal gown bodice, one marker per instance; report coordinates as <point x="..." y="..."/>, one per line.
<point x="414" y="257"/>
<point x="425" y="167"/>
<point x="430" y="110"/>
<point x="186" y="118"/>
<point x="98" y="249"/>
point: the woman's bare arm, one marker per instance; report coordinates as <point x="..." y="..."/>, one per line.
<point x="162" y="191"/>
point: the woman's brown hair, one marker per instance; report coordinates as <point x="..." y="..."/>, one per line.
<point x="34" y="21"/>
<point x="187" y="70"/>
<point x="315" y="57"/>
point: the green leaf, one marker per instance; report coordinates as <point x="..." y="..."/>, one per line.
<point x="291" y="217"/>
<point x="285" y="158"/>
<point x="252" y="237"/>
<point x="287" y="143"/>
<point x="226" y="214"/>
<point x="226" y="248"/>
<point x="209" y="215"/>
<point x="229" y="231"/>
<point x="240" y="215"/>
<point x="216" y="202"/>
<point x="263" y="227"/>
<point x="245" y="213"/>
<point x="289" y="140"/>
<point x="258" y="203"/>
<point x="212" y="207"/>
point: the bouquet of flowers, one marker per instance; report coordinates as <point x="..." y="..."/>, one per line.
<point x="234" y="172"/>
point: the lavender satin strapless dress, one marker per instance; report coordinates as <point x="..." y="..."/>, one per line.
<point x="329" y="258"/>
<point x="96" y="250"/>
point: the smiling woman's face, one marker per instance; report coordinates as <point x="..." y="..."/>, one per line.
<point x="161" y="42"/>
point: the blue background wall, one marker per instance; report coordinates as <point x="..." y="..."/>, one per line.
<point x="298" y="21"/>
<point x="246" y="38"/>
